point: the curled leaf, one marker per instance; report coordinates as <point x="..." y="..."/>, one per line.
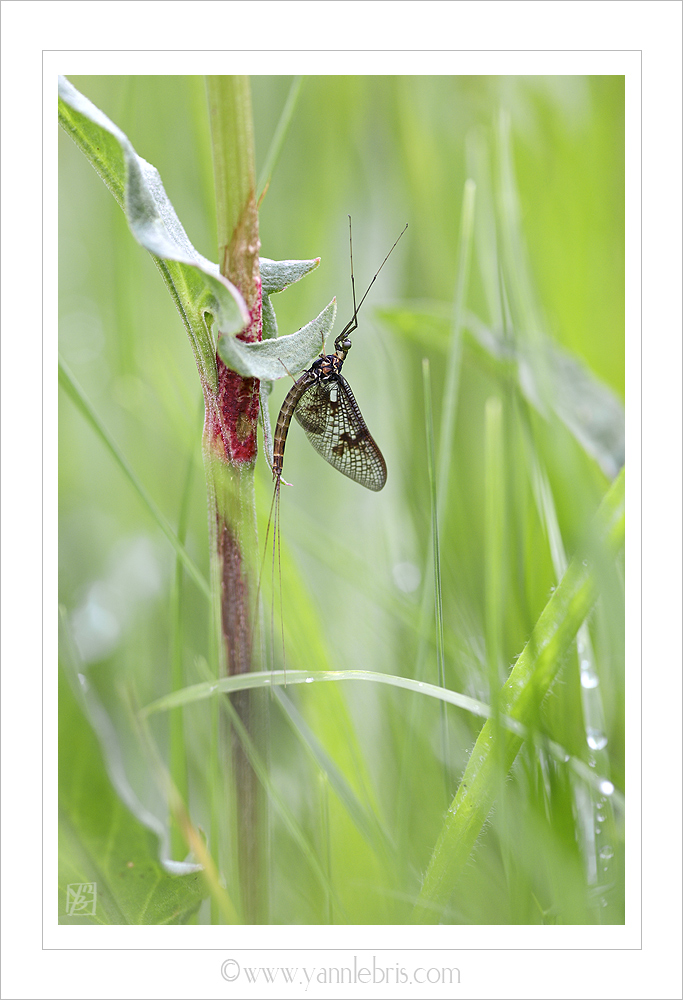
<point x="153" y="221"/>
<point x="268" y="319"/>
<point x="276" y="275"/>
<point x="196" y="283"/>
<point x="271" y="359"/>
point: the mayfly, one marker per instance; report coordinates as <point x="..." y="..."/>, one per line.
<point x="323" y="403"/>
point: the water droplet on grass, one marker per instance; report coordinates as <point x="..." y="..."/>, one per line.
<point x="596" y="739"/>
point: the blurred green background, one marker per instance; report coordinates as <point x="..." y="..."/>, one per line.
<point x="547" y="268"/>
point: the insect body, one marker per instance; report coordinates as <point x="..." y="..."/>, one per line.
<point x="323" y="403"/>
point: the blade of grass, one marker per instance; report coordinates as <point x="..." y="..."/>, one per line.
<point x="177" y="745"/>
<point x="436" y="562"/>
<point x="276" y="678"/>
<point x="450" y="396"/>
<point x="528" y="683"/>
<point x="363" y="818"/>
<point x="493" y="545"/>
<point x="279" y="138"/>
<point x="440" y="472"/>
<point x="268" y="678"/>
<point x="82" y="403"/>
<point x="287" y="816"/>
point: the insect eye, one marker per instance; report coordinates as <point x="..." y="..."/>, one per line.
<point x="346" y="344"/>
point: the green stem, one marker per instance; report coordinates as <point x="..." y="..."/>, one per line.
<point x="230" y="447"/>
<point x="232" y="138"/>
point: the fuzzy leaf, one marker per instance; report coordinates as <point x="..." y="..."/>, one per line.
<point x="195" y="282"/>
<point x="271" y="359"/>
<point x="153" y="221"/>
<point x="276" y="275"/>
<point x="268" y="319"/>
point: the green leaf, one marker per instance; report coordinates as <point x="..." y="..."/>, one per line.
<point x="276" y="275"/>
<point x="153" y="221"/>
<point x="195" y="282"/>
<point x="271" y="359"/>
<point x="101" y="841"/>
<point x="268" y="319"/>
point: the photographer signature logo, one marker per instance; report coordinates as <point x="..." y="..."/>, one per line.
<point x="81" y="899"/>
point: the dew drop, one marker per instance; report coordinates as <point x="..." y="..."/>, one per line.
<point x="596" y="739"/>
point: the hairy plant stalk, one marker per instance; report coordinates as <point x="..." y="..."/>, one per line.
<point x="230" y="448"/>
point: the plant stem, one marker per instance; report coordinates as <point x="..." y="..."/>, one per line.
<point x="230" y="446"/>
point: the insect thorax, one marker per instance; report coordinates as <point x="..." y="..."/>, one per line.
<point x="327" y="366"/>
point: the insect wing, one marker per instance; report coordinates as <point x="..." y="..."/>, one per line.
<point x="334" y="425"/>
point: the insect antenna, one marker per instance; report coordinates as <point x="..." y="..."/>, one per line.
<point x="353" y="322"/>
<point x="322" y="402"/>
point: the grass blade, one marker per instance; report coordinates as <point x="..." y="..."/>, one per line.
<point x="526" y="686"/>
<point x="83" y="404"/>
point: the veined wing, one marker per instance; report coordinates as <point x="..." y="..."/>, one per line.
<point x="334" y="425"/>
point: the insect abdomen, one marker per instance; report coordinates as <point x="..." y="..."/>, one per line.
<point x="285" y="418"/>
